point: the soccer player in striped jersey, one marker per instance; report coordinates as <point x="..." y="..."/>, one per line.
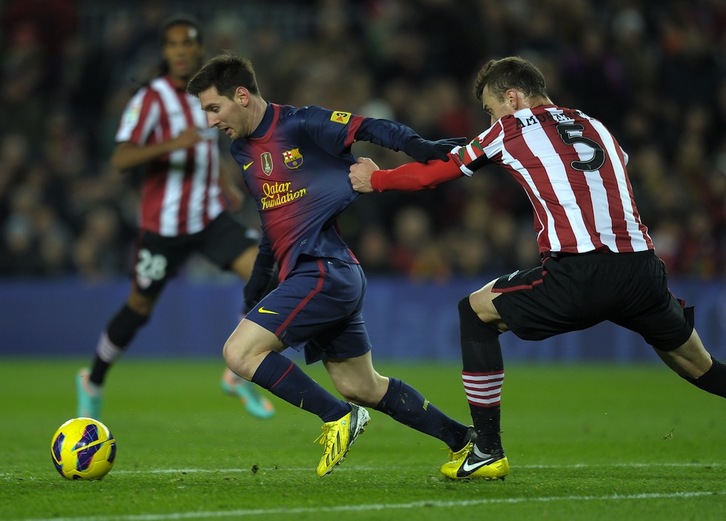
<point x="598" y="261"/>
<point x="182" y="208"/>
<point x="295" y="162"/>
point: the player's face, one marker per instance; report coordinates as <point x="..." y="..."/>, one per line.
<point x="182" y="51"/>
<point x="231" y="116"/>
<point x="498" y="108"/>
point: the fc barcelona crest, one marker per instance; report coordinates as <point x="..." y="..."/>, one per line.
<point x="293" y="158"/>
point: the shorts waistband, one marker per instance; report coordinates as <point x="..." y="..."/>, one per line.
<point x="599" y="255"/>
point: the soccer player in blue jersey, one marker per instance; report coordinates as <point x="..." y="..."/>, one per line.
<point x="295" y="163"/>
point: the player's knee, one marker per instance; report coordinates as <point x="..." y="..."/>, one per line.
<point x="466" y="312"/>
<point x="238" y="357"/>
<point x="123" y="326"/>
<point x="471" y="325"/>
<point x="140" y="303"/>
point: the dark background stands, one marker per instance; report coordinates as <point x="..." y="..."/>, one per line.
<point x="653" y="71"/>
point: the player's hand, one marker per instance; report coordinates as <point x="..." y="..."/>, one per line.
<point x="188" y="138"/>
<point x="423" y="150"/>
<point x="259" y="282"/>
<point x="360" y="175"/>
<point x="234" y="198"/>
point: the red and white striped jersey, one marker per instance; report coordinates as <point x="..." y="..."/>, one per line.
<point x="574" y="173"/>
<point x="180" y="194"/>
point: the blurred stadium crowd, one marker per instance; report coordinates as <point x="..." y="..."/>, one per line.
<point x="652" y="70"/>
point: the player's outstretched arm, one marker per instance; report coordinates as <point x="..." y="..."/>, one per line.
<point x="365" y="176"/>
<point x="424" y="150"/>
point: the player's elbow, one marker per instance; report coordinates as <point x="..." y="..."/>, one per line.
<point x="123" y="157"/>
<point x="117" y="164"/>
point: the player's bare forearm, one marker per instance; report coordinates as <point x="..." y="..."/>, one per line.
<point x="360" y="175"/>
<point x="129" y="155"/>
<point x="231" y="190"/>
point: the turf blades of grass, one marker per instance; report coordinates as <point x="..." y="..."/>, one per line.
<point x="585" y="442"/>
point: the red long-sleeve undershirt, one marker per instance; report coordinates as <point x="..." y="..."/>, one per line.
<point x="415" y="176"/>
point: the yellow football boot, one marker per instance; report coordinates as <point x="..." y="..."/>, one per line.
<point x="338" y="436"/>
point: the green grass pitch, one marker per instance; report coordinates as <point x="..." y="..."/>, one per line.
<point x="591" y="442"/>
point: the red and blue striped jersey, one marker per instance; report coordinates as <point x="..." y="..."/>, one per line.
<point x="295" y="165"/>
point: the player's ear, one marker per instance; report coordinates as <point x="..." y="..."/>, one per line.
<point x="242" y="96"/>
<point x="510" y="97"/>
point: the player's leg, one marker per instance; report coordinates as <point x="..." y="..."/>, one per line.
<point x="244" y="262"/>
<point x="697" y="366"/>
<point x="357" y="380"/>
<point x="693" y="362"/>
<point x="229" y="244"/>
<point x="512" y="302"/>
<point x="114" y="339"/>
<point x="690" y="360"/>
<point x="255" y="403"/>
<point x="344" y="346"/>
<point x="667" y="325"/>
<point x="157" y="259"/>
<point x="316" y="296"/>
<point x="483" y="377"/>
<point x="254" y="353"/>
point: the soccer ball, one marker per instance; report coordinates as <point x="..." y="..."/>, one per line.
<point x="83" y="448"/>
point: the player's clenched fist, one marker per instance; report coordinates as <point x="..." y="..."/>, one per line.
<point x="360" y="174"/>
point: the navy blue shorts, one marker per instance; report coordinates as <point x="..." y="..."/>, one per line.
<point x="578" y="291"/>
<point x="318" y="308"/>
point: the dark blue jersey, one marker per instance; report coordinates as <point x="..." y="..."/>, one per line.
<point x="295" y="165"/>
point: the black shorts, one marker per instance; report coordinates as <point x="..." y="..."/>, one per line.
<point x="159" y="258"/>
<point x="576" y="292"/>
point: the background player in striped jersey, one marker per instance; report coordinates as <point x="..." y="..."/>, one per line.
<point x="182" y="208"/>
<point x="295" y="162"/>
<point x="598" y="262"/>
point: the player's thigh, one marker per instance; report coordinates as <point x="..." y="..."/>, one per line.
<point x="482" y="302"/>
<point x="157" y="261"/>
<point x="652" y="311"/>
<point x="229" y="244"/>
<point x="242" y="264"/>
<point x="543" y="301"/>
<point x="320" y="299"/>
<point x="250" y="339"/>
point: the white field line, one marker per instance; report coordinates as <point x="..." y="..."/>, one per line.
<point x="377" y="507"/>
<point x="358" y="468"/>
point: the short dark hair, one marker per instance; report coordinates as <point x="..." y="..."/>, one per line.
<point x="181" y="19"/>
<point x="511" y="72"/>
<point x="225" y="72"/>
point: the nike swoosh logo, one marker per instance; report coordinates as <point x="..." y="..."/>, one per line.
<point x="471" y="468"/>
<point x="245" y="167"/>
<point x="264" y="311"/>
